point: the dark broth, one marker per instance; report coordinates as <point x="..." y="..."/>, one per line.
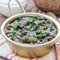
<point x="31" y="30"/>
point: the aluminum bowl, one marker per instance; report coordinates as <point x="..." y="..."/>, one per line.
<point x="27" y="50"/>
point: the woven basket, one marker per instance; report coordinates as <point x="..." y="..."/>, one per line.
<point x="48" y="5"/>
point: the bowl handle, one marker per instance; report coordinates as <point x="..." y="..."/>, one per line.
<point x="20" y="6"/>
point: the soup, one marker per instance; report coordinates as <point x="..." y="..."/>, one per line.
<point x="31" y="30"/>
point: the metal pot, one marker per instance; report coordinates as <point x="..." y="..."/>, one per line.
<point x="27" y="50"/>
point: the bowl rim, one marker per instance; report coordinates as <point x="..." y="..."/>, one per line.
<point x="30" y="14"/>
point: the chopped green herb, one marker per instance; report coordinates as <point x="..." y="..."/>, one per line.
<point x="37" y="36"/>
<point x="34" y="35"/>
<point x="36" y="16"/>
<point x="41" y="30"/>
<point x="19" y="17"/>
<point x="51" y="28"/>
<point x="33" y="21"/>
<point x="16" y="26"/>
<point x="26" y="38"/>
<point x="41" y="35"/>
<point x="13" y="32"/>
<point x="28" y="26"/>
<point x="44" y="35"/>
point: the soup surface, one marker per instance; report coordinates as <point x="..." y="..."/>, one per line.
<point x="31" y="30"/>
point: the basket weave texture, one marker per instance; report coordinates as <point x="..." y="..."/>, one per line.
<point x="48" y="5"/>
